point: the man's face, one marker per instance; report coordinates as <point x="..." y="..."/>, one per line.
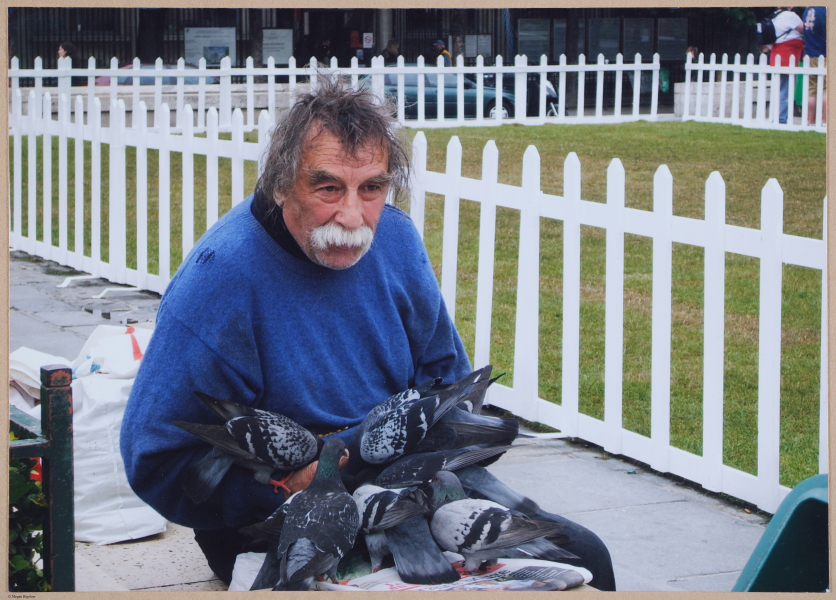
<point x="336" y="201"/>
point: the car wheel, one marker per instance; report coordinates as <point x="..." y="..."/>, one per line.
<point x="507" y="110"/>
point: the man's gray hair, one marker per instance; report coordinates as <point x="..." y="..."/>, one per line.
<point x="356" y="117"/>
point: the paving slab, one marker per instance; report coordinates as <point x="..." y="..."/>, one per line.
<point x="168" y="559"/>
<point x="26" y="330"/>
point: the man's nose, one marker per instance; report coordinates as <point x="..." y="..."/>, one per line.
<point x="350" y="214"/>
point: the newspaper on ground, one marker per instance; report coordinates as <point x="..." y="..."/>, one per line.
<point x="507" y="575"/>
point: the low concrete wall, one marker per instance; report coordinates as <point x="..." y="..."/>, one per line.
<point x="169" y="96"/>
<point x="679" y="96"/>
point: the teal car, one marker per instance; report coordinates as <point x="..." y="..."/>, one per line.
<point x="489" y="106"/>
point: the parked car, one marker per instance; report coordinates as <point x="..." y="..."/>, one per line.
<point x="532" y="95"/>
<point x="450" y="96"/>
<point x="150" y="79"/>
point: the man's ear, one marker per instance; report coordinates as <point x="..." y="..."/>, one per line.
<point x="279" y="198"/>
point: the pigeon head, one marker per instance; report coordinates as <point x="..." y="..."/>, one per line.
<point x="329" y="459"/>
<point x="446" y="488"/>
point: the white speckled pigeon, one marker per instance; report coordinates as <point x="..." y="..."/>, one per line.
<point x="482" y="530"/>
<point x="258" y="440"/>
<point x="397" y="425"/>
<point x="320" y="525"/>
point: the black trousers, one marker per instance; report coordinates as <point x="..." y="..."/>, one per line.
<point x="593" y="554"/>
<point x="222" y="546"/>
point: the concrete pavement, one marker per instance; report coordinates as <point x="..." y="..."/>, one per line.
<point x="663" y="534"/>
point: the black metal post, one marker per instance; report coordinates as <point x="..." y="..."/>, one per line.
<point x="57" y="423"/>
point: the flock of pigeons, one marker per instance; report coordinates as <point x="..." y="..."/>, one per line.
<point x="414" y="484"/>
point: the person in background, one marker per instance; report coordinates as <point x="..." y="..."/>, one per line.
<point x="815" y="46"/>
<point x="390" y="53"/>
<point x="68" y="50"/>
<point x="693" y="52"/>
<point x="442" y="51"/>
<point x="323" y="51"/>
<point x="788" y="29"/>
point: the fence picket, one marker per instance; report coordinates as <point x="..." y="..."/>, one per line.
<point x="250" y="96"/>
<point x="450" y="244"/>
<point x="225" y="102"/>
<point x="498" y="99"/>
<point x="823" y="433"/>
<point x="91" y="87"/>
<point x="188" y="181"/>
<point x="96" y="186"/>
<point x="487" y="250"/>
<point x="63" y="122"/>
<point x="747" y="94"/>
<point x="418" y="185"/>
<point x="480" y="92"/>
<point x="201" y="95"/>
<point x="599" y="88"/>
<point x="581" y="85"/>
<point x="660" y="387"/>
<point x="181" y="65"/>
<point x="265" y="126"/>
<point x="17" y="159"/>
<point x="39" y="80"/>
<point x="637" y="85"/>
<point x="714" y="330"/>
<point x="614" y="308"/>
<point x="542" y="99"/>
<point x="142" y="195"/>
<point x="237" y="157"/>
<point x="761" y="102"/>
<point x="271" y="87"/>
<point x="46" y="123"/>
<point x="561" y="93"/>
<point x="422" y="109"/>
<point x="158" y="95"/>
<point x="520" y="89"/>
<point x="31" y="161"/>
<point x="654" y="90"/>
<point x="78" y="246"/>
<point x="769" y="344"/>
<point x="439" y="102"/>
<point x="526" y="334"/>
<point x="460" y="91"/>
<point x="117" y="213"/>
<point x="723" y="77"/>
<point x="164" y="209"/>
<point x="619" y="76"/>
<point x="211" y="167"/>
<point x="571" y="293"/>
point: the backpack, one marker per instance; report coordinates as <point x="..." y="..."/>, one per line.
<point x="766" y="31"/>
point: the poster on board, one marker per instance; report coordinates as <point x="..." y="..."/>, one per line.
<point x="211" y="43"/>
<point x="277" y="43"/>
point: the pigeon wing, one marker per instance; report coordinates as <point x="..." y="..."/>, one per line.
<point x="418" y="558"/>
<point x="274" y="439"/>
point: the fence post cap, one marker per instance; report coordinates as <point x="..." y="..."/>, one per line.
<point x="56" y="375"/>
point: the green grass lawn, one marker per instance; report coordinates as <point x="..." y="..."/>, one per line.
<point x="746" y="158"/>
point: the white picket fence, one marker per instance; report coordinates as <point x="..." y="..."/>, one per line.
<point x="448" y="77"/>
<point x="769" y="244"/>
<point x="754" y="90"/>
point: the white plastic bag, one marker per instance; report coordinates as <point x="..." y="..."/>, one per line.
<point x="244" y="572"/>
<point x="106" y="509"/>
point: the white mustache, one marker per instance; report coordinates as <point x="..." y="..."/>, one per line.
<point x="332" y="234"/>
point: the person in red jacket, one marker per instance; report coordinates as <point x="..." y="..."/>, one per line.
<point x="788" y="30"/>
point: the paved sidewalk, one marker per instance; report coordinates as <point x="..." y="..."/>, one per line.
<point x="663" y="534"/>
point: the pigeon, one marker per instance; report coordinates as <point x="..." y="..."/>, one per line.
<point x="472" y="401"/>
<point x="393" y="523"/>
<point x="480" y="481"/>
<point x="416" y="469"/>
<point x="258" y="440"/>
<point x="459" y="428"/>
<point x="395" y="426"/>
<point x="483" y="531"/>
<point x="319" y="525"/>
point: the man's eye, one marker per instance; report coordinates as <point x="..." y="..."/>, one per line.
<point x="329" y="188"/>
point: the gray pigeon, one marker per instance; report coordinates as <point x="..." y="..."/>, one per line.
<point x="258" y="440"/>
<point x="417" y="469"/>
<point x="483" y="531"/>
<point x="319" y="526"/>
<point x="393" y="523"/>
<point x="397" y="425"/>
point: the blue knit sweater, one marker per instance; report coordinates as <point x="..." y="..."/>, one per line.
<point x="245" y="321"/>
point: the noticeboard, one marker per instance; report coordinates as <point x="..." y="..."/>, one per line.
<point x="474" y="45"/>
<point x="638" y="38"/>
<point x="277" y="43"/>
<point x="211" y="43"/>
<point x="673" y="39"/>
<point x="604" y="38"/>
<point x="533" y="38"/>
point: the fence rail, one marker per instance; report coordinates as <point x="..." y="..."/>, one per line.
<point x="769" y="244"/>
<point x="754" y="90"/>
<point x="556" y="110"/>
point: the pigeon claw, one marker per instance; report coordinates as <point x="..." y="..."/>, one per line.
<point x="281" y="484"/>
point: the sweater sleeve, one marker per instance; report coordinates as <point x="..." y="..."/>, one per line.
<point x="156" y="452"/>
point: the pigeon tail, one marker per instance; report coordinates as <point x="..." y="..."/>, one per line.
<point x="482" y="481"/>
<point x="269" y="574"/>
<point x="418" y="558"/>
<point x="225" y="409"/>
<point x="202" y="478"/>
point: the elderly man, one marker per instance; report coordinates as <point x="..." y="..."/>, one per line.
<point x="313" y="298"/>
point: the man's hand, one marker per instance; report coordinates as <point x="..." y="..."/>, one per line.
<point x="302" y="478"/>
